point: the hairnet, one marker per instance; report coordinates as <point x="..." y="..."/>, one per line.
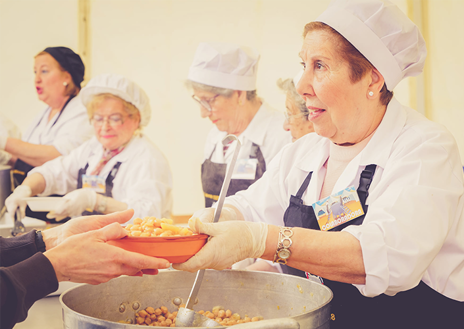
<point x="122" y="87"/>
<point x="382" y="33"/>
<point x="225" y="65"/>
<point x="70" y="61"/>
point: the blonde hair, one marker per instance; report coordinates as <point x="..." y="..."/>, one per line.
<point x="71" y="88"/>
<point x="128" y="107"/>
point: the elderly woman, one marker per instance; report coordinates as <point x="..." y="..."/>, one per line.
<point x="297" y="113"/>
<point x="58" y="129"/>
<point x="118" y="168"/>
<point x="63" y="125"/>
<point x="223" y="79"/>
<point x="395" y="258"/>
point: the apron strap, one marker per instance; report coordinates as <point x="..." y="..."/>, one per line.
<point x="304" y="186"/>
<point x="364" y="183"/>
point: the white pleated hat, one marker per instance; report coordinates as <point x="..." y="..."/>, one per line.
<point x="382" y="33"/>
<point x="225" y="65"/>
<point x="122" y="87"/>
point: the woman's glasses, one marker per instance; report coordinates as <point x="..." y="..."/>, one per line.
<point x="114" y="120"/>
<point x="206" y="103"/>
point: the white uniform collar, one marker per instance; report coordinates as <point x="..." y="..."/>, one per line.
<point x="377" y="151"/>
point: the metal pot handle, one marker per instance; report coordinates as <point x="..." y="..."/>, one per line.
<point x="282" y="323"/>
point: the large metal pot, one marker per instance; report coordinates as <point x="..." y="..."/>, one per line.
<point x="270" y="295"/>
<point x="5" y="184"/>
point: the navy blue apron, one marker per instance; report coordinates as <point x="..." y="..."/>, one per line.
<point x="421" y="307"/>
<point x="213" y="174"/>
<point x="108" y="184"/>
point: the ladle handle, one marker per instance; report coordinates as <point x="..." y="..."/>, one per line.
<point x="195" y="289"/>
<point x="217" y="214"/>
<point x="230" y="170"/>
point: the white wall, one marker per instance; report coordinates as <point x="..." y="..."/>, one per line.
<point x="26" y="28"/>
<point x="153" y="42"/>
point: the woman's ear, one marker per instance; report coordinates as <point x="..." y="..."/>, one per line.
<point x="377" y="81"/>
<point x="241" y="97"/>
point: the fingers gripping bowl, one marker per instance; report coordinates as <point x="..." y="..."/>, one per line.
<point x="160" y="238"/>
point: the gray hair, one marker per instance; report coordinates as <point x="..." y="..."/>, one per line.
<point x="251" y="94"/>
<point x="288" y="87"/>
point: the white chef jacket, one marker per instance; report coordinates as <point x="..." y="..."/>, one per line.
<point x="143" y="182"/>
<point x="71" y="130"/>
<point x="265" y="130"/>
<point x="414" y="227"/>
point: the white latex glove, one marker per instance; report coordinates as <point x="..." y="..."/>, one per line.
<point x="16" y="199"/>
<point x="74" y="203"/>
<point x="206" y="215"/>
<point x="229" y="242"/>
<point x="4" y="157"/>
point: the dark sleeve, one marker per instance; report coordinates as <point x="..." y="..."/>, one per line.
<point x="21" y="285"/>
<point x="17" y="249"/>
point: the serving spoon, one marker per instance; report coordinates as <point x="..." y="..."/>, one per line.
<point x="186" y="316"/>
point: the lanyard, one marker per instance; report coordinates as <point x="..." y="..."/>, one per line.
<point x="57" y="117"/>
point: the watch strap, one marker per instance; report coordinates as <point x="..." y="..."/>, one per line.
<point x="284" y="243"/>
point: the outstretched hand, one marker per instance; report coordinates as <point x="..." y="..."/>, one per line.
<point x="55" y="236"/>
<point x="87" y="258"/>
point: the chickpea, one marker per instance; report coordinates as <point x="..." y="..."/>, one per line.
<point x="154" y="316"/>
<point x="254" y="319"/>
<point x="136" y="233"/>
<point x="147" y="320"/>
<point x="158" y="311"/>
<point x="201" y="312"/>
<point x="228" y="313"/>
<point x="161" y="318"/>
<point x="143" y="313"/>
<point x="140" y="320"/>
<point x="235" y="316"/>
<point x="221" y="314"/>
<point x="162" y="323"/>
<point x="164" y="309"/>
<point x="150" y="310"/>
<point x="247" y="319"/>
<point x="168" y="322"/>
<point x="210" y="315"/>
<point x="137" y="220"/>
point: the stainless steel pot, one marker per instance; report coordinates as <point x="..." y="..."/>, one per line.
<point x="5" y="184"/>
<point x="270" y="295"/>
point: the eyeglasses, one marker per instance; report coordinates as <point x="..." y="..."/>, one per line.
<point x="288" y="116"/>
<point x="114" y="120"/>
<point x="206" y="103"/>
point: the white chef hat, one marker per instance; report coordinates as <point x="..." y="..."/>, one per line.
<point x="382" y="33"/>
<point x="122" y="87"/>
<point x="225" y="65"/>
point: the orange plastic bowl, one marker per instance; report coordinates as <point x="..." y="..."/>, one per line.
<point x="176" y="249"/>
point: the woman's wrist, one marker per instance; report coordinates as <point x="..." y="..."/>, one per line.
<point x="271" y="242"/>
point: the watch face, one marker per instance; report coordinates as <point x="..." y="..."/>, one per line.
<point x="284" y="253"/>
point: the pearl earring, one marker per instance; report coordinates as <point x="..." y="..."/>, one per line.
<point x="371" y="93"/>
<point x="65" y="83"/>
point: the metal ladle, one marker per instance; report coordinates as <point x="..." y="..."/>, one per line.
<point x="186" y="316"/>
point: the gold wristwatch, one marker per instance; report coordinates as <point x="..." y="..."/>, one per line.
<point x="283" y="252"/>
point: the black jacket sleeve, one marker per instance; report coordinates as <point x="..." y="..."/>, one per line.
<point x="25" y="277"/>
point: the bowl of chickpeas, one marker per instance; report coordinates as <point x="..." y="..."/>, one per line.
<point x="160" y="237"/>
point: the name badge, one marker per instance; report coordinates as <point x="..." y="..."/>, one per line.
<point x="338" y="208"/>
<point x="96" y="183"/>
<point x="245" y="169"/>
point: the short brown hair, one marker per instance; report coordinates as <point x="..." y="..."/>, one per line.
<point x="71" y="88"/>
<point x="359" y="64"/>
